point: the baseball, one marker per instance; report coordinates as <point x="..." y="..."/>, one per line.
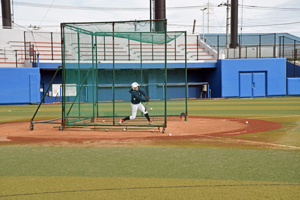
<point x="246" y="122"/>
<point x="170" y="134"/>
<point x="150" y="108"/>
<point x="106" y="130"/>
<point x="124" y="129"/>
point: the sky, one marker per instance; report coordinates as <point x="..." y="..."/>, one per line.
<point x="255" y="16"/>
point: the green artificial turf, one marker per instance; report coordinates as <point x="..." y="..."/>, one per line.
<point x="263" y="165"/>
<point x="178" y="163"/>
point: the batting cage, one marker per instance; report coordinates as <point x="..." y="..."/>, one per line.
<point x="101" y="60"/>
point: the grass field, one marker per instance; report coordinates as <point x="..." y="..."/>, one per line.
<point x="263" y="165"/>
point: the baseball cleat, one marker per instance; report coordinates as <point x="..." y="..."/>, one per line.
<point x="150" y="122"/>
<point x="121" y="121"/>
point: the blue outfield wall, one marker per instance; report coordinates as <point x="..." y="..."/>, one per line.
<point x="126" y="73"/>
<point x="293" y="70"/>
<point x="293" y="86"/>
<point x="153" y="84"/>
<point x="46" y="77"/>
<point x="109" y="65"/>
<point x="19" y="85"/>
<point x="233" y="78"/>
<point x="232" y="69"/>
<point x="213" y="76"/>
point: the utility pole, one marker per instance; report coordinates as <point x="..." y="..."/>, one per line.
<point x="234" y="24"/>
<point x="227" y="24"/>
<point x="151" y="15"/>
<point x="160" y="13"/>
<point x="6" y="14"/>
<point x="208" y="5"/>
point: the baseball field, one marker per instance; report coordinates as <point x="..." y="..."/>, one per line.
<point x="227" y="149"/>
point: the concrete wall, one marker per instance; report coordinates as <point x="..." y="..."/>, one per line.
<point x="12" y="34"/>
<point x="19" y="86"/>
<point x="293" y="86"/>
<point x="153" y="81"/>
<point x="226" y="78"/>
<point x="237" y="73"/>
<point x="213" y="76"/>
<point x="293" y="70"/>
<point x="46" y="77"/>
<point x="126" y="73"/>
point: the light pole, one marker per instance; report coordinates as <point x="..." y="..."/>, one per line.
<point x="227" y="21"/>
<point x="203" y="22"/>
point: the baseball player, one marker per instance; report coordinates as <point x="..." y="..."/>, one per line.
<point x="137" y="96"/>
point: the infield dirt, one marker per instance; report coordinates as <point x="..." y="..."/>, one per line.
<point x="195" y="127"/>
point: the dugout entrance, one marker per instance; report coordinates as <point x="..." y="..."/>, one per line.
<point x="100" y="60"/>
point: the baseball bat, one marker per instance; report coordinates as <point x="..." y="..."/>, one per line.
<point x="147" y="102"/>
<point x="146" y="106"/>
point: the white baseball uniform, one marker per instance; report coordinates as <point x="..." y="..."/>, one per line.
<point x="135" y="107"/>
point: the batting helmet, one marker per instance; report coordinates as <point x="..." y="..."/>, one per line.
<point x="134" y="85"/>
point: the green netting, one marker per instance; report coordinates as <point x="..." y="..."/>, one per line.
<point x="101" y="60"/>
<point x="140" y="31"/>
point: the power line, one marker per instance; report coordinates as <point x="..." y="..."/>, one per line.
<point x="134" y="9"/>
<point x="40" y="5"/>
<point x="244" y="20"/>
<point x="186" y="25"/>
<point x="279" y="24"/>
<point x="46" y="13"/>
<point x="266" y="7"/>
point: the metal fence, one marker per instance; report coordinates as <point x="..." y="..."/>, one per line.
<point x="256" y="46"/>
<point x="48" y="46"/>
<point x="289" y="48"/>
